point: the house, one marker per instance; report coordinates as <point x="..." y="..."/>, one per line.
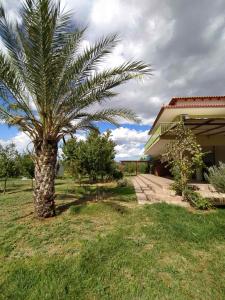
<point x="205" y="116"/>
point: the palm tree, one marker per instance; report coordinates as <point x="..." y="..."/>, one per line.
<point x="48" y="85"/>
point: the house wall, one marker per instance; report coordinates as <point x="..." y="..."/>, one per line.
<point x="219" y="154"/>
<point x="205" y="141"/>
<point x="214" y="154"/>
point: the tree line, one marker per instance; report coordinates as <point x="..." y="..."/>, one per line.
<point x="14" y="164"/>
<point x="93" y="158"/>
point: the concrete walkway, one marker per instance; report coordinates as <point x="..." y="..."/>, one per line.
<point x="208" y="191"/>
<point x="153" y="189"/>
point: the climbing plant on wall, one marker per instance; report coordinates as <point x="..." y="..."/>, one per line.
<point x="183" y="156"/>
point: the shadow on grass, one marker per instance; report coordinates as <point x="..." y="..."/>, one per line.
<point x="16" y="190"/>
<point x="122" y="191"/>
<point x="117" y="207"/>
<point x="85" y="194"/>
<point x="65" y="196"/>
<point x="81" y="201"/>
<point x="23" y="217"/>
<point x="60" y="183"/>
<point x="122" y="194"/>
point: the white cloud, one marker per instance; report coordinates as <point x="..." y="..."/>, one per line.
<point x="125" y="135"/>
<point x="81" y="136"/>
<point x="12" y="7"/>
<point x="130" y="142"/>
<point x="129" y="151"/>
<point x="21" y="140"/>
<point x="177" y="37"/>
<point x="161" y="33"/>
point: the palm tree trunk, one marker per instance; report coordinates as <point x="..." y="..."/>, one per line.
<point x="45" y="173"/>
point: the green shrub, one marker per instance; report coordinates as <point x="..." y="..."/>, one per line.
<point x="177" y="187"/>
<point x="196" y="200"/>
<point x="143" y="168"/>
<point x="216" y="177"/>
<point x="122" y="182"/>
<point x="117" y="174"/>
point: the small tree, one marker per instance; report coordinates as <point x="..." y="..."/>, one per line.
<point x="27" y="166"/>
<point x="183" y="155"/>
<point x="99" y="155"/>
<point x="73" y="160"/>
<point x="9" y="166"/>
<point x="93" y="157"/>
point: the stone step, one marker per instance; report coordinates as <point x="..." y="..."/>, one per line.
<point x="143" y="191"/>
<point x="141" y="197"/>
<point x="153" y="187"/>
<point x="215" y="197"/>
<point x="163" y="183"/>
<point x="162" y="197"/>
<point x="146" y="194"/>
<point x="153" y="197"/>
<point x="202" y="187"/>
<point x="142" y="184"/>
<point x="151" y="181"/>
<point x="136" y="185"/>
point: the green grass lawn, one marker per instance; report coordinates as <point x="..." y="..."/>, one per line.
<point x="108" y="247"/>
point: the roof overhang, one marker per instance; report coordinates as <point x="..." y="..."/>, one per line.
<point x="189" y="103"/>
<point x="211" y="126"/>
<point x="169" y="113"/>
<point x="209" y="131"/>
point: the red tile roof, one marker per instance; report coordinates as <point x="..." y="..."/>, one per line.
<point x="193" y="105"/>
<point x="174" y="100"/>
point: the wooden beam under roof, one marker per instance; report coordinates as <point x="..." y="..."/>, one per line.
<point x="200" y="124"/>
<point x="211" y="129"/>
<point x="203" y="124"/>
<point x="217" y="133"/>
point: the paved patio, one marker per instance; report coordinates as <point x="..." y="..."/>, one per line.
<point x="154" y="189"/>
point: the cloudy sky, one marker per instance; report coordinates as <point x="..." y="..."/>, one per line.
<point x="184" y="41"/>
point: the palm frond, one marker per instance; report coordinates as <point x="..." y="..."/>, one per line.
<point x="11" y="88"/>
<point x="48" y="82"/>
<point x="85" y="63"/>
<point x="98" y="87"/>
<point x="110" y="115"/>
